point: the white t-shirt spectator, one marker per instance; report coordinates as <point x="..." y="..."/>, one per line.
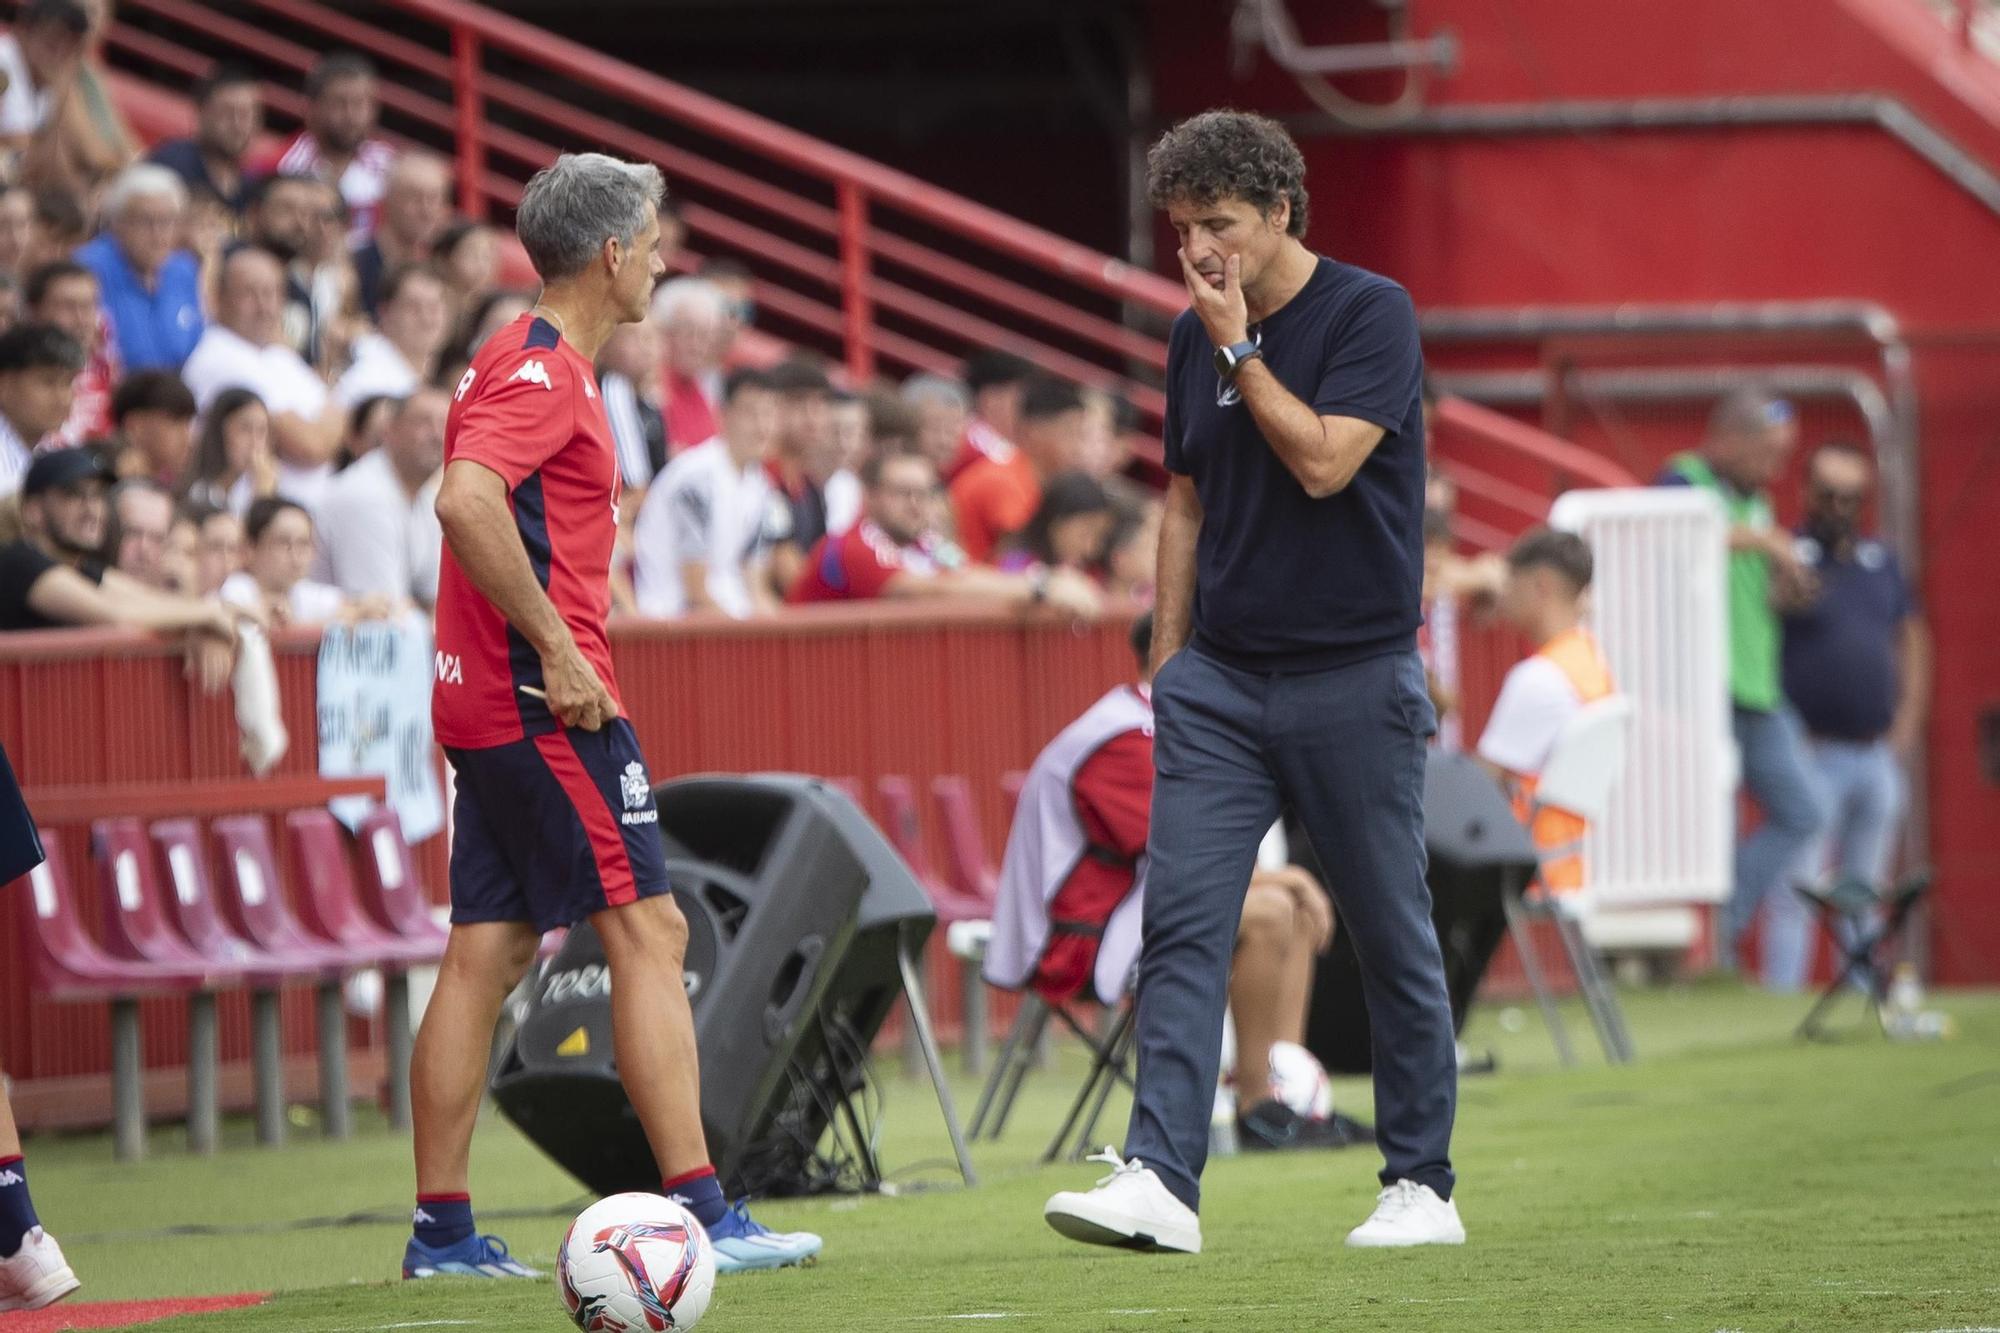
<point x="701" y="508"/>
<point x="1536" y="702"/>
<point x="23" y="107"/>
<point x="379" y="371"/>
<point x="15" y="456"/>
<point x="278" y="375"/>
<point x="843" y="502"/>
<point x="311" y="603"/>
<point x="374" y="538"/>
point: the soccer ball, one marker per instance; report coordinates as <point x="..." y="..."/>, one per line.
<point x="635" y="1263"/>
<point x="1299" y="1080"/>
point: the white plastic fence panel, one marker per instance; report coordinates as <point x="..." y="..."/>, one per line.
<point x="1658" y="606"/>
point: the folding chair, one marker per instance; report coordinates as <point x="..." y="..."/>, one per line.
<point x="1874" y="925"/>
<point x="1110" y="1065"/>
<point x="1583" y="766"/>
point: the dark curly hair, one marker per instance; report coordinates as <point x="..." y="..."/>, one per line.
<point x="1219" y="154"/>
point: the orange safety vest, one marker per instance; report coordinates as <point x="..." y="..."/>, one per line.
<point x="1558" y="834"/>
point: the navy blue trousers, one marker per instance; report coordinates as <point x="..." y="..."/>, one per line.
<point x="1344" y="749"/>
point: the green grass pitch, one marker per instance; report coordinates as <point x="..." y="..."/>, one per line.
<point x="1734" y="1179"/>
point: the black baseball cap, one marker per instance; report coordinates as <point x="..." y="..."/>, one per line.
<point x="57" y="469"/>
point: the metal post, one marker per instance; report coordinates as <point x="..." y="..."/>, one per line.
<point x="267" y="1059"/>
<point x="857" y="313"/>
<point x="973" y="1052"/>
<point x="920" y="1020"/>
<point x="1531" y="967"/>
<point x="396" y="1018"/>
<point x="203" y="1122"/>
<point x="470" y="106"/>
<point x="128" y="1083"/>
<point x="335" y="1111"/>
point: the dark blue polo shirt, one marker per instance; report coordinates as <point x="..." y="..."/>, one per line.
<point x="1840" y="652"/>
<point x="1284" y="582"/>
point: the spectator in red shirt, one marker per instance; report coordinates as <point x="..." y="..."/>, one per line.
<point x="884" y="555"/>
<point x="338" y="143"/>
<point x="996" y="382"/>
<point x="65" y="294"/>
<point x="996" y="495"/>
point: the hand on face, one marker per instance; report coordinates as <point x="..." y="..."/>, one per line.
<point x="1218" y="300"/>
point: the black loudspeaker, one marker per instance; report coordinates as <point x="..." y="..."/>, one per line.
<point x="796" y="910"/>
<point x="1478" y="853"/>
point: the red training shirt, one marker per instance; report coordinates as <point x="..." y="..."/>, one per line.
<point x="856" y="566"/>
<point x="528" y="409"/>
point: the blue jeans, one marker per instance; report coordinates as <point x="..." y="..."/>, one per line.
<point x="1344" y="749"/>
<point x="1864" y="786"/>
<point x="1780" y="776"/>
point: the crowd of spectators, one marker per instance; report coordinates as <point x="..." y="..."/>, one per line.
<point x="249" y="341"/>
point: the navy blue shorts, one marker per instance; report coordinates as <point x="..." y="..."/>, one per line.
<point x="551" y="829"/>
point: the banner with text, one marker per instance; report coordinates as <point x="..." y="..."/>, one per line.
<point x="375" y="719"/>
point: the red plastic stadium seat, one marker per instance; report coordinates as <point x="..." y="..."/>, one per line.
<point x="64" y="963"/>
<point x="906" y="834"/>
<point x="253" y="900"/>
<point x="192" y="903"/>
<point x="390" y="891"/>
<point x="328" y="904"/>
<point x="971" y="870"/>
<point x="136" y="927"/>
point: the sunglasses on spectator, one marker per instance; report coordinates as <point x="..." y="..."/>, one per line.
<point x="1841" y="495"/>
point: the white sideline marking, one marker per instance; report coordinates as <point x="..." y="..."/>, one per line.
<point x="421" y="1323"/>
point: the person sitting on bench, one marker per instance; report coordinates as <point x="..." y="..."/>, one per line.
<point x="1071" y="886"/>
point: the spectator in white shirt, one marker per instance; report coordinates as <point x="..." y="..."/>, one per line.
<point x="233" y="462"/>
<point x="245" y="349"/>
<point x="273" y="582"/>
<point x="40" y="59"/>
<point x="850" y="444"/>
<point x="629" y="373"/>
<point x="378" y="529"/>
<point x="704" y="531"/>
<point x="38" y="369"/>
<point x="393" y="362"/>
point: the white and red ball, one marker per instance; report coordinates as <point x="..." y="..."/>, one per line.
<point x="1299" y="1080"/>
<point x="635" y="1263"/>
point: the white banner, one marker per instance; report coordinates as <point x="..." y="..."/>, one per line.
<point x="375" y="719"/>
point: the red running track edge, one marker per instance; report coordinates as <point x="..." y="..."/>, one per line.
<point x="118" y="1314"/>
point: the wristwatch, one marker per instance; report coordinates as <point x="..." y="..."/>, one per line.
<point x="1231" y="359"/>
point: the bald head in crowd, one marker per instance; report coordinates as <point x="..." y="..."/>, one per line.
<point x="1750" y="435"/>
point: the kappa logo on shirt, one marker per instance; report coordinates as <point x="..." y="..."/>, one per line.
<point x="12" y="1177"/>
<point x="534" y="372"/>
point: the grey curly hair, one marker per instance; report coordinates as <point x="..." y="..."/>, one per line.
<point x="1219" y="154"/>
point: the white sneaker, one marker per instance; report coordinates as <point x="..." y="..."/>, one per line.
<point x="36" y="1276"/>
<point x="1407" y="1213"/>
<point x="1129" y="1207"/>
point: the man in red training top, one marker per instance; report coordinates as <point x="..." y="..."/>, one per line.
<point x="555" y="821"/>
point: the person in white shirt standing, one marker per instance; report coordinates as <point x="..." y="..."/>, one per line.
<point x="245" y="349"/>
<point x="703" y="533"/>
<point x="377" y="525"/>
<point x="404" y="354"/>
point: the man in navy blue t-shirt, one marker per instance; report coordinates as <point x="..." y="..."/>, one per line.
<point x="1291" y="564"/>
<point x="1857" y="671"/>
